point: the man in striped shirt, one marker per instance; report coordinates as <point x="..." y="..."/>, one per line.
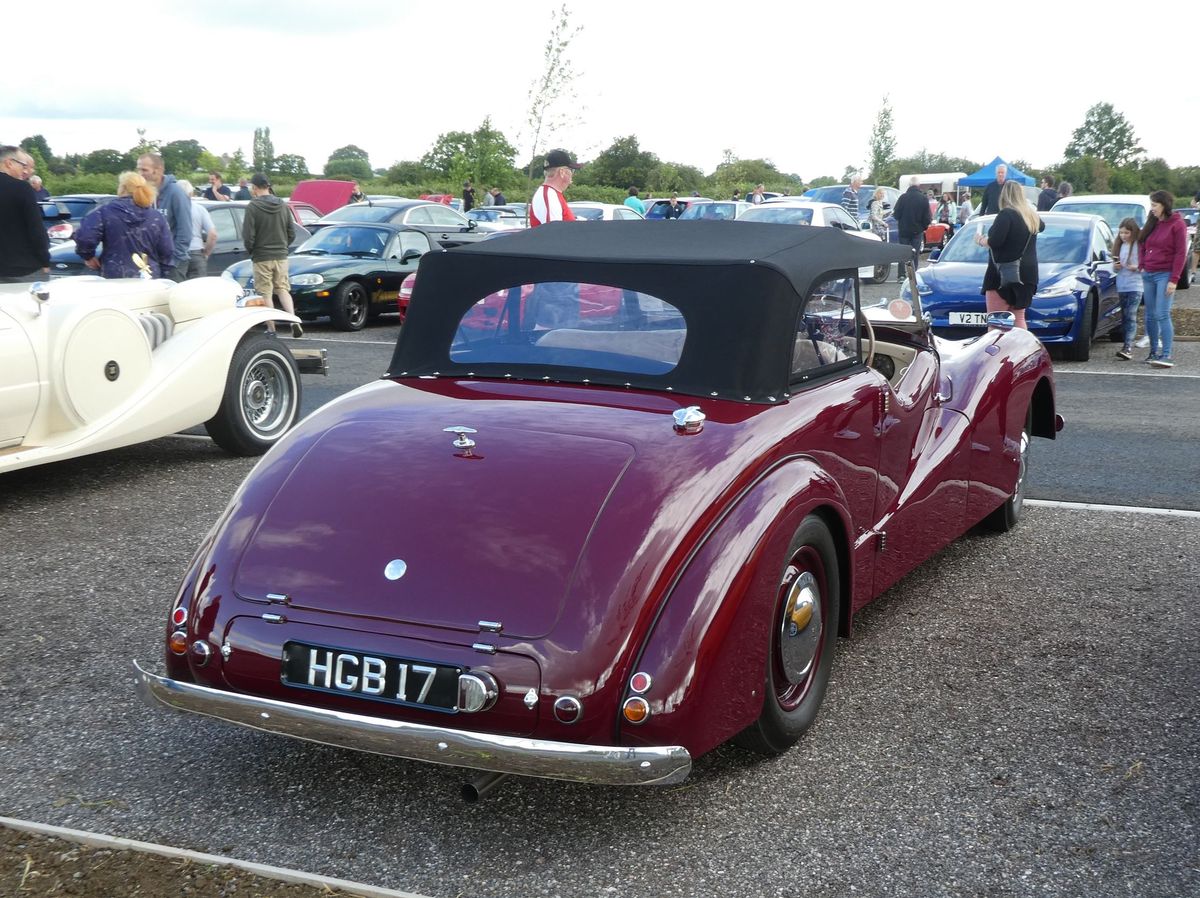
<point x="548" y="203"/>
<point x="850" y="196"/>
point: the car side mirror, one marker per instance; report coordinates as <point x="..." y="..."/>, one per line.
<point x="472" y="224"/>
<point x="934" y="254"/>
<point x="409" y="255"/>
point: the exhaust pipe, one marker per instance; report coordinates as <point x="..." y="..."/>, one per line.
<point x="477" y="787"/>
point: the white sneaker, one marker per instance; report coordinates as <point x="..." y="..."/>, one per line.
<point x="1142" y="342"/>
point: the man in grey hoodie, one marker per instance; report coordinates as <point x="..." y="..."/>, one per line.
<point x="267" y="232"/>
<point x="175" y="205"/>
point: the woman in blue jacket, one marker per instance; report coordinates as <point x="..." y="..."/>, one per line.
<point x="129" y="224"/>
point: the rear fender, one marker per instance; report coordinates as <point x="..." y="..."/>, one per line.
<point x="706" y="651"/>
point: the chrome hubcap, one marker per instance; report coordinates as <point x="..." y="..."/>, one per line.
<point x="801" y="625"/>
<point x="265" y="395"/>
<point x="1018" y="499"/>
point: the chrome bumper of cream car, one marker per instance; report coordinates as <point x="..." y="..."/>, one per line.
<point x="605" y="765"/>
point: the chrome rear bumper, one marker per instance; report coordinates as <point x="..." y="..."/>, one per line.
<point x="604" y="765"/>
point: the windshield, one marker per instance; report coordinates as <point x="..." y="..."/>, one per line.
<point x="778" y="215"/>
<point x="1060" y="243"/>
<point x="1113" y="213"/>
<point x="345" y="241"/>
<point x="574" y="325"/>
<point x="709" y="212"/>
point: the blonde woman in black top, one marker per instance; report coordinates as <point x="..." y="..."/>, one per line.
<point x="1013" y="235"/>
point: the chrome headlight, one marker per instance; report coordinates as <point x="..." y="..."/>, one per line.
<point x="1059" y="289"/>
<point x="307" y="280"/>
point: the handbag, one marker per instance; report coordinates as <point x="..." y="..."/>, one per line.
<point x="1010" y="272"/>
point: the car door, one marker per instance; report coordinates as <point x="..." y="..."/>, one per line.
<point x="1101" y="268"/>
<point x="229" y="249"/>
<point x="396" y="266"/>
<point x="452" y="228"/>
<point x="924" y="469"/>
<point x="20" y="390"/>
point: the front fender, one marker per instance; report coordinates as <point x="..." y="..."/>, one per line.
<point x="707" y="649"/>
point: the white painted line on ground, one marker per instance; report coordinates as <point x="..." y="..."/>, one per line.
<point x="316" y="340"/>
<point x="1158" y="373"/>
<point x="1124" y="509"/>
<point x="280" y="873"/>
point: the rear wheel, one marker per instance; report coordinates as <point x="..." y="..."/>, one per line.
<point x="262" y="397"/>
<point x="350" y="304"/>
<point x="803" y="631"/>
<point x="1008" y="515"/>
<point x="881" y="274"/>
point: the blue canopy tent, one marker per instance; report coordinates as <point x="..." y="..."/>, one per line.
<point x="987" y="175"/>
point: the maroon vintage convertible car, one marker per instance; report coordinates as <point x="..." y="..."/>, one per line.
<point x="610" y="507"/>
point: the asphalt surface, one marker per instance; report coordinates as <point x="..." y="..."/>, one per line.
<point x="1015" y="718"/>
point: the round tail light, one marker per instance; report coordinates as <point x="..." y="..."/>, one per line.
<point x="636" y="709"/>
<point x="177" y="642"/>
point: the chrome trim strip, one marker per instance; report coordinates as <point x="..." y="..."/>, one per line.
<point x="599" y="764"/>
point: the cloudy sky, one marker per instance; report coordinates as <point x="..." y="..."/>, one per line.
<point x="796" y="83"/>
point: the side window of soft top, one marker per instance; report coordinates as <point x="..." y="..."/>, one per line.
<point x="827" y="330"/>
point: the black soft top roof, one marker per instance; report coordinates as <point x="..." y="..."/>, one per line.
<point x="739" y="286"/>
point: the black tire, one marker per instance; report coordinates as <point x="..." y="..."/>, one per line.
<point x="1080" y="349"/>
<point x="1008" y="515"/>
<point x="881" y="274"/>
<point x="262" y="397"/>
<point x="350" y="306"/>
<point x="799" y="658"/>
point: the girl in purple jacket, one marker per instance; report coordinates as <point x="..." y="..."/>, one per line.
<point x="1163" y="251"/>
<point x="129" y="224"/>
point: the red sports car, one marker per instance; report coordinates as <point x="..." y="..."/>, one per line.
<point x="618" y="494"/>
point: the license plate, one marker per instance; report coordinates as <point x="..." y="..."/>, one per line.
<point x="380" y="677"/>
<point x="977" y="318"/>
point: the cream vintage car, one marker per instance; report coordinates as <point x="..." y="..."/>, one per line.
<point x="88" y="364"/>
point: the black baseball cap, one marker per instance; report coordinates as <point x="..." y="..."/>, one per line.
<point x="260" y="181"/>
<point x="559" y="158"/>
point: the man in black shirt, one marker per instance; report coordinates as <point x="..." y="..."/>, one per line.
<point x="1049" y="196"/>
<point x="991" y="193"/>
<point x="912" y="216"/>
<point x="24" y="245"/>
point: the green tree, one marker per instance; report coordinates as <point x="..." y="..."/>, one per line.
<point x="208" y="162"/>
<point x="881" y="148"/>
<point x="348" y="169"/>
<point x="38" y="142"/>
<point x="143" y="146"/>
<point x="291" y="165"/>
<point x="411" y="172"/>
<point x="264" y="151"/>
<point x="237" y="165"/>
<point x="483" y="155"/>
<point x="181" y="157"/>
<point x="623" y="164"/>
<point x="553" y="90"/>
<point x="1087" y="174"/>
<point x="104" y="162"/>
<point x="1105" y="134"/>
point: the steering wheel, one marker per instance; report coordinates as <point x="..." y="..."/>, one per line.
<point x="870" y="332"/>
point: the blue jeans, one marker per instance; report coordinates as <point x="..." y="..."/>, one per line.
<point x="1158" y="312"/>
<point x="916" y="241"/>
<point x="1129" y="307"/>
